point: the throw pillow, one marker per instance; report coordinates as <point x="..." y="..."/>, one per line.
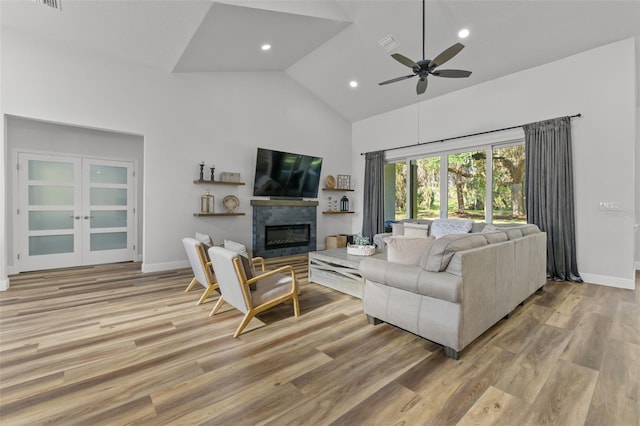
<point x="438" y="256"/>
<point x="407" y="250"/>
<point x="442" y="227"/>
<point x="237" y="247"/>
<point x="204" y="238"/>
<point x="489" y="228"/>
<point x="247" y="264"/>
<point x="416" y="230"/>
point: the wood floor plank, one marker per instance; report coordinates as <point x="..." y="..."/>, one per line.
<point x="565" y="397"/>
<point x="111" y="345"/>
<point x="494" y="408"/>
<point x="526" y="376"/>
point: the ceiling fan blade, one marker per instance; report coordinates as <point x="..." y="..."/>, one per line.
<point x="422" y="85"/>
<point x="405" y="61"/>
<point x="452" y="73"/>
<point x="393" y="80"/>
<point x="446" y="55"/>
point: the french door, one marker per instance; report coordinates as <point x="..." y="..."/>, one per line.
<point x="74" y="211"/>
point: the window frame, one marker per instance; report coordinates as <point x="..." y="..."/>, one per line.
<point x="486" y="143"/>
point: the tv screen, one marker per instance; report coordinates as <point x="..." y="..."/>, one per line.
<point x="284" y="174"/>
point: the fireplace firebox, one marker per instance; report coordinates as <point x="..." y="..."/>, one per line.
<point x="282" y="236"/>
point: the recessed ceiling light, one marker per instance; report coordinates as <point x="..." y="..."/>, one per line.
<point x="463" y="33"/>
<point x="266" y="46"/>
<point x="353" y="84"/>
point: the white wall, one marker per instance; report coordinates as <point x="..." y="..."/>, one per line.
<point x="185" y="118"/>
<point x="604" y="141"/>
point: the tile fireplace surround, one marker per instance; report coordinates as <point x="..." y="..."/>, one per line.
<point x="282" y="212"/>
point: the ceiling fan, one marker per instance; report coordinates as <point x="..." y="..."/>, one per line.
<point x="425" y="67"/>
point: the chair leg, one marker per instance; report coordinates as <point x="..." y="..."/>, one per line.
<point x="206" y="294"/>
<point x="245" y="321"/>
<point x="296" y="305"/>
<point x="219" y="304"/>
<point x="190" y="286"/>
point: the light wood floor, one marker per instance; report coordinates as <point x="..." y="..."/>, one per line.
<point x="109" y="345"/>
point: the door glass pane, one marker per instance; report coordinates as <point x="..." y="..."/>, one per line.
<point x="108" y="219"/>
<point x="108" y="197"/>
<point x="50" y="244"/>
<point x="508" y="184"/>
<point x="50" y="170"/>
<point x="47" y="220"/>
<point x="466" y="186"/>
<point x="108" y="241"/>
<point x="50" y="195"/>
<point x="427" y="189"/>
<point x="108" y="174"/>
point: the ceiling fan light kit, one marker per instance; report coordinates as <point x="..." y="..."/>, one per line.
<point x="424" y="67"/>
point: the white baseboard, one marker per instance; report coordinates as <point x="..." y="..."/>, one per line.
<point x="158" y="267"/>
<point x="617" y="282"/>
<point x="4" y="285"/>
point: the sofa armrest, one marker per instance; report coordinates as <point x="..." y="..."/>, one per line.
<point x="378" y="240"/>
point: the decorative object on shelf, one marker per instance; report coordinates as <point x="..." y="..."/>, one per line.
<point x="230" y="176"/>
<point x="330" y="204"/>
<point x="231" y="203"/>
<point x="201" y="170"/>
<point x="344" y="204"/>
<point x="330" y="181"/>
<point x="206" y="203"/>
<point x="344" y="181"/>
<point x="213" y="168"/>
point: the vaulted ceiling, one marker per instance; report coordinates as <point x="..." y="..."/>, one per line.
<point x="325" y="44"/>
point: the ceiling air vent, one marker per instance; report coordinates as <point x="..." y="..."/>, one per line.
<point x="51" y="3"/>
<point x="389" y="44"/>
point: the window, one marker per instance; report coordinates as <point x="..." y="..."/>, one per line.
<point x="413" y="186"/>
<point x="508" y="184"/>
<point x="467" y="185"/>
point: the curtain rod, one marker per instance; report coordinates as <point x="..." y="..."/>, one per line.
<point x="459" y="137"/>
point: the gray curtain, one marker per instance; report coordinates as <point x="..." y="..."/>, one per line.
<point x="373" y="215"/>
<point x="549" y="192"/>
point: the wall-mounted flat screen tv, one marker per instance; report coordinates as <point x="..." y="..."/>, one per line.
<point x="287" y="175"/>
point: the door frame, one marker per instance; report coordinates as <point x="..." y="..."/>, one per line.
<point x="15" y="197"/>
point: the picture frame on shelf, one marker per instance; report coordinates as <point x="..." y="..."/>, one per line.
<point x="344" y="182"/>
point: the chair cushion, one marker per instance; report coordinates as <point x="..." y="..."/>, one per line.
<point x="270" y="288"/>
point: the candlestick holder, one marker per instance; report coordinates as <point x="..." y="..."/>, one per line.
<point x="212" y="170"/>
<point x="201" y="170"/>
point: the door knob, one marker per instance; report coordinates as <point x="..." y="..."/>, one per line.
<point x="74" y="217"/>
<point x="87" y="217"/>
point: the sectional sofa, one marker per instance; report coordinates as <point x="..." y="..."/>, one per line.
<point x="452" y="289"/>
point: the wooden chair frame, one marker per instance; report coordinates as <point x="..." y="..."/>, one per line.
<point x="254" y="310"/>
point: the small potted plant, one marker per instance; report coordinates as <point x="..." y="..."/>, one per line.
<point x="360" y="246"/>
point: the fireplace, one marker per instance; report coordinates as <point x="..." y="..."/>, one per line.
<point x="282" y="236"/>
<point x="283" y="227"/>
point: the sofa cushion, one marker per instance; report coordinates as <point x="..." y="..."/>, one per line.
<point x="407" y="250"/>
<point x="397" y="228"/>
<point x="413" y="279"/>
<point x="442" y="227"/>
<point x="437" y="257"/>
<point x="490" y="227"/>
<point x="495" y="237"/>
<point x="513" y="233"/>
<point x="416" y="230"/>
<point x="529" y="229"/>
